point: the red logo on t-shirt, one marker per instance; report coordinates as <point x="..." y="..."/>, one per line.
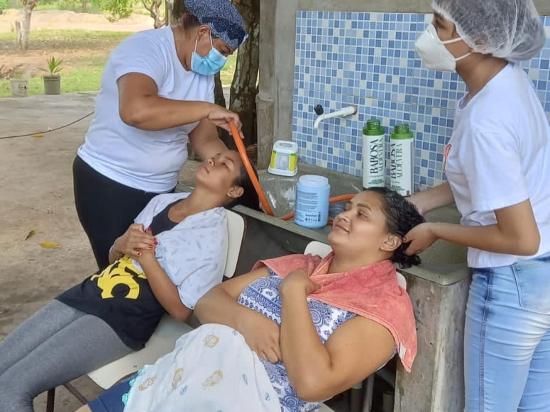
<point x="446" y="152"/>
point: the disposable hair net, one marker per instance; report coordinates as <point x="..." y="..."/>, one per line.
<point x="509" y="29"/>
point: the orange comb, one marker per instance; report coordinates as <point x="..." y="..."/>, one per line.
<point x="249" y="169"/>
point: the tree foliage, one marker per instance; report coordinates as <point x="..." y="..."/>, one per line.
<point x="3" y="5"/>
<point x="155" y="9"/>
<point x="116" y="9"/>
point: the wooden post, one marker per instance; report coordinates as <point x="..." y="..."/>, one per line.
<point x="18" y="35"/>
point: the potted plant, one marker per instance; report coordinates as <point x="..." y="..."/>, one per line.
<point x="52" y="81"/>
<point x="18" y="82"/>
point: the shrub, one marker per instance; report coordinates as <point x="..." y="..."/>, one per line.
<point x="54" y="66"/>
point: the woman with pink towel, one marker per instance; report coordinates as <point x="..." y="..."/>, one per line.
<point x="296" y="330"/>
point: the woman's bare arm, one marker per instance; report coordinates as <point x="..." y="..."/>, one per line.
<point x="355" y="350"/>
<point x="140" y="106"/>
<point x="163" y="288"/>
<point x="220" y="305"/>
<point x="432" y="198"/>
<point x="515" y="233"/>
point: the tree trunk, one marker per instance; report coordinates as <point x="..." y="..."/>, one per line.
<point x="173" y="12"/>
<point x="219" y="99"/>
<point x="244" y="87"/>
<point x="159" y="22"/>
<point x="154" y="11"/>
<point x="28" y="6"/>
<point x="18" y="35"/>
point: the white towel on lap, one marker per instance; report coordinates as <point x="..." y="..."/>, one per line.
<point x="211" y="369"/>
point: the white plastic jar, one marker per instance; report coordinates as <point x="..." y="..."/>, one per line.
<point x="312" y="198"/>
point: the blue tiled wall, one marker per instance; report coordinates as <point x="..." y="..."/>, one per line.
<point x="368" y="60"/>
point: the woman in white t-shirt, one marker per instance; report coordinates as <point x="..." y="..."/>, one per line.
<point x="498" y="171"/>
<point x="157" y="93"/>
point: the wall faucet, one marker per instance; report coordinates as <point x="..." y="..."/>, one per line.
<point x="346" y="111"/>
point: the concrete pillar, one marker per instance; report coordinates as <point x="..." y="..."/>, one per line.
<point x="277" y="42"/>
<point x="436" y="382"/>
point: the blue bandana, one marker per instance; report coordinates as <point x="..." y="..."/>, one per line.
<point x="223" y="18"/>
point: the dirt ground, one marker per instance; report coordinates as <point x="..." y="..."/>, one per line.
<point x="36" y="195"/>
<point x="64" y="19"/>
<point x="36" y="199"/>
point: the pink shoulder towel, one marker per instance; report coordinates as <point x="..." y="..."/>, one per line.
<point x="369" y="291"/>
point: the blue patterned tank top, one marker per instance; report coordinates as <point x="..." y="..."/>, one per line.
<point x="263" y="296"/>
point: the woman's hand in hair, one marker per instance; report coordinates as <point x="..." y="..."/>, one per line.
<point x="135" y="241"/>
<point x="416" y="202"/>
<point x="420" y="237"/>
<point x="432" y="198"/>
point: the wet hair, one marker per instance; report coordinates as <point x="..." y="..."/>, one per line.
<point x="401" y="216"/>
<point x="249" y="198"/>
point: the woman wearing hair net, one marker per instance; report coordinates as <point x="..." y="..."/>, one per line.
<point x="498" y="171"/>
<point x="157" y="94"/>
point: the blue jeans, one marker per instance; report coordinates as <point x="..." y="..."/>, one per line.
<point x="113" y="399"/>
<point x="507" y="338"/>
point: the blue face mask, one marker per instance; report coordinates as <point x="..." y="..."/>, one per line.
<point x="207" y="65"/>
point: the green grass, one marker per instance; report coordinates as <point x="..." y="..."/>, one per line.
<point x="85" y="76"/>
<point x="85" y="69"/>
<point x="226" y="74"/>
<point x="67" y="5"/>
<point x="86" y="79"/>
<point x="76" y="5"/>
<point x="52" y="40"/>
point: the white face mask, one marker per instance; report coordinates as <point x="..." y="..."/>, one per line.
<point x="433" y="52"/>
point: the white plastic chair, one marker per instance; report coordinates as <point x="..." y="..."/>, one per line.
<point x="167" y="332"/>
<point x="322" y="249"/>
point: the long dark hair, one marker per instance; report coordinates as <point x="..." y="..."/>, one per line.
<point x="401" y="216"/>
<point x="249" y="197"/>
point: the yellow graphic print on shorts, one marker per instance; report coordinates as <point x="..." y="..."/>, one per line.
<point x="211" y="341"/>
<point x="121" y="272"/>
<point x="147" y="383"/>
<point x="213" y="379"/>
<point x="178" y="377"/>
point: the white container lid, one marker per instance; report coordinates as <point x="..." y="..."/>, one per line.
<point x="286" y="147"/>
<point x="313" y="180"/>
